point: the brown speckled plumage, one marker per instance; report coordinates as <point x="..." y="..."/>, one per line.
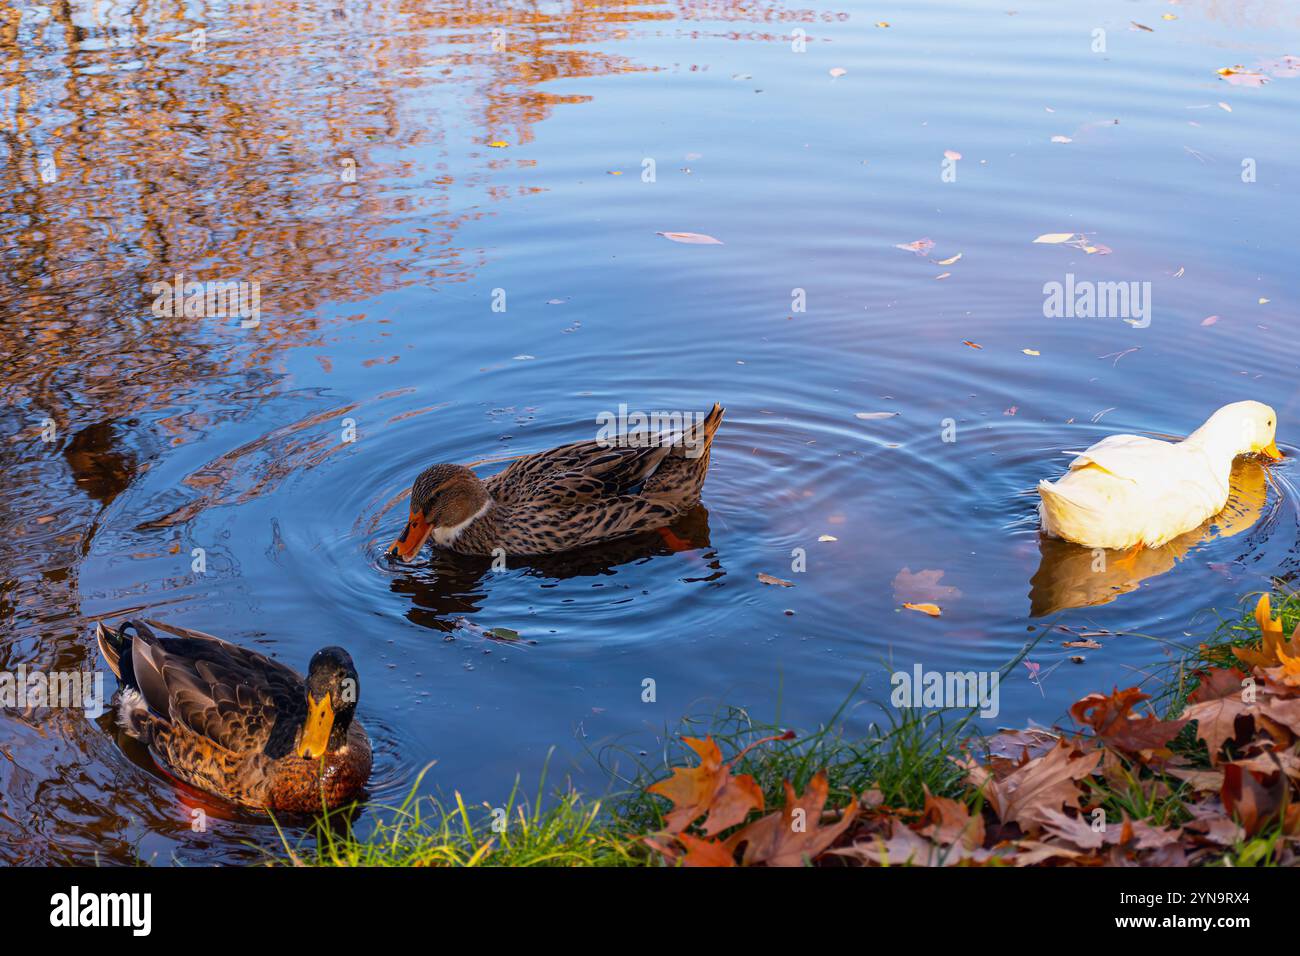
<point x="229" y="721"/>
<point x="565" y="498"/>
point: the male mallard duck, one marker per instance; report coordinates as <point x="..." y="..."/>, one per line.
<point x="564" y="498"/>
<point x="1127" y="490"/>
<point x="239" y="725"/>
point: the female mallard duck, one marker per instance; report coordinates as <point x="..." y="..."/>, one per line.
<point x="1128" y="491"/>
<point x="564" y="498"/>
<point x="239" y="725"/>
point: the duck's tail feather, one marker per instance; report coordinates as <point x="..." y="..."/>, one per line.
<point x="111" y="645"/>
<point x="1060" y="511"/>
<point x="680" y="477"/>
<point x="118" y="648"/>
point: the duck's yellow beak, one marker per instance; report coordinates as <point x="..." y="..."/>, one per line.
<point x="411" y="540"/>
<point x="1272" y="451"/>
<point x="316" y="732"/>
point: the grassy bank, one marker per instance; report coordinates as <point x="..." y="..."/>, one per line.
<point x="922" y="786"/>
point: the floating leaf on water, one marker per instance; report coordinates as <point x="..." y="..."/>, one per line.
<point x="1087" y="643"/>
<point x="1224" y="106"/>
<point x="1168" y="16"/>
<point x="1142" y="26"/>
<point x="1062" y="139"/>
<point x="498" y="144"/>
<point x="828" y="537"/>
<point x="1209" y="320"/>
<point x="1263" y="301"/>
<point x="1031" y="351"/>
<point x="691" y="238"/>
<point x="1285" y="66"/>
<point x="503" y="634"/>
<point x="837" y="71"/>
<point x="923" y="585"/>
<point x="948" y="262"/>
<point x="971" y="344"/>
<point x="931" y="609"/>
<point x="882" y="24"/>
<point x="769" y="579"/>
<point x="1240" y="76"/>
<point x="921" y="247"/>
<point x="872" y="416"/>
<point x="951" y="154"/>
<point x="1055" y="237"/>
<point x="942" y="275"/>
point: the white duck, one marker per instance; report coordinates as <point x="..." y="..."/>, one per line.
<point x="1128" y="491"/>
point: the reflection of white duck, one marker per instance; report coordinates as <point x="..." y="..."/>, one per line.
<point x="1070" y="576"/>
<point x="1128" y="491"/>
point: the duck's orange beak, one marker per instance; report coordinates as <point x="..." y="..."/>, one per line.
<point x="408" y="545"/>
<point x="1272" y="451"/>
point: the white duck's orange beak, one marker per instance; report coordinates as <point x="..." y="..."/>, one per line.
<point x="1272" y="451"/>
<point x="412" y="539"/>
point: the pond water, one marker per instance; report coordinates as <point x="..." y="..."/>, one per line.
<point x="340" y="155"/>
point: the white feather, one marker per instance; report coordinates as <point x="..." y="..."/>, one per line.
<point x="445" y="536"/>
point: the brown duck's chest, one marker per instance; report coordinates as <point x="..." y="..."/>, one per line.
<point x="296" y="785"/>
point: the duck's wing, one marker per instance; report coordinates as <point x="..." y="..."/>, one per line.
<point x="577" y="473"/>
<point x="232" y="696"/>
<point x="1128" y="457"/>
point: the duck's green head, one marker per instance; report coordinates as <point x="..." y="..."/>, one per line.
<point x="333" y="687"/>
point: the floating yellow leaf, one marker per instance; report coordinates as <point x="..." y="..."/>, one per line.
<point x="1055" y="237"/>
<point x="498" y="144"/>
<point x="971" y="344"/>
<point x="948" y="262"/>
<point x="1240" y="76"/>
<point x="1031" y="351"/>
<point x="930" y="609"/>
